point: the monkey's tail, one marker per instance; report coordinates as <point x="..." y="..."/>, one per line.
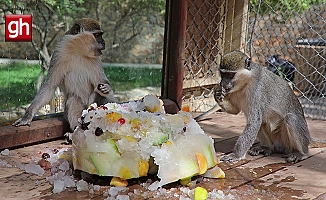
<point x="207" y="113"/>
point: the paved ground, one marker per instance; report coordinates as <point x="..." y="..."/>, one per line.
<point x="254" y="178"/>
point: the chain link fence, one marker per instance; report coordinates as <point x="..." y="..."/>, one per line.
<point x="290" y="38"/>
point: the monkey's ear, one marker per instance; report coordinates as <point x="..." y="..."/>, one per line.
<point x="247" y="64"/>
<point x="75" y="29"/>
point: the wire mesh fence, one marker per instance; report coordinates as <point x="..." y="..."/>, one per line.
<point x="288" y="36"/>
<point x="204" y="39"/>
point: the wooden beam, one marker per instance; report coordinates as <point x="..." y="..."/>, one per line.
<point x="236" y="25"/>
<point x="173" y="66"/>
<point x="39" y="131"/>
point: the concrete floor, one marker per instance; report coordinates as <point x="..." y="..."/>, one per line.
<point x="254" y="178"/>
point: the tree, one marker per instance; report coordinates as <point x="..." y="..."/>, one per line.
<point x="48" y="22"/>
<point x="282" y="6"/>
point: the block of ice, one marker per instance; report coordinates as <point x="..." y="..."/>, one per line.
<point x="82" y="185"/>
<point x="122" y="197"/>
<point x="69" y="181"/>
<point x="5" y="152"/>
<point x="130" y="140"/>
<point x="64" y="166"/>
<point x="34" y="169"/>
<point x="58" y="186"/>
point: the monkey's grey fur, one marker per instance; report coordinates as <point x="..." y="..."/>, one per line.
<point x="274" y="114"/>
<point x="77" y="67"/>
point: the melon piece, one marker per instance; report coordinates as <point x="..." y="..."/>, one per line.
<point x="158" y="137"/>
<point x="185" y="181"/>
<point x="97" y="159"/>
<point x="143" y="167"/>
<point x="182" y="159"/>
<point x="200" y="193"/>
<point x="202" y="163"/>
<point x="118" y="182"/>
<point x="214" y="172"/>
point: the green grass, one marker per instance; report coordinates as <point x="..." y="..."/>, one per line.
<point x="126" y="78"/>
<point x="17" y="81"/>
<point x="17" y="84"/>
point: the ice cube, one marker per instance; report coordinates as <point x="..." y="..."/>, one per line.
<point x="64" y="166"/>
<point x="5" y="152"/>
<point x="219" y="194"/>
<point x="82" y="185"/>
<point x="58" y="186"/>
<point x="96" y="187"/>
<point x="122" y="197"/>
<point x="59" y="175"/>
<point x="113" y="191"/>
<point x="69" y="181"/>
<point x="154" y="186"/>
<point x="20" y="166"/>
<point x="184" y="198"/>
<point x="3" y="162"/>
<point x="34" y="169"/>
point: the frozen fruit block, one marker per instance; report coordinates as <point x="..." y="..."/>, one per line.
<point x="132" y="139"/>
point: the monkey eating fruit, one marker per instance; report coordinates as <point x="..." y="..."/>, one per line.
<point x="274" y="114"/>
<point x="77" y="67"/>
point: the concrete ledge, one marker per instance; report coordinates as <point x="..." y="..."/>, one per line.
<point x="39" y="131"/>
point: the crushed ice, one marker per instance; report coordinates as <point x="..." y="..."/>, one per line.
<point x="5" y="152"/>
<point x="34" y="169"/>
<point x="62" y="178"/>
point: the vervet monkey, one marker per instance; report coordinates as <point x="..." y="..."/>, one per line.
<point x="274" y="114"/>
<point x="77" y="67"/>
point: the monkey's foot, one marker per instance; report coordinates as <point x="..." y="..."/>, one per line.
<point x="255" y="151"/>
<point x="22" y="122"/>
<point x="230" y="158"/>
<point x="294" y="157"/>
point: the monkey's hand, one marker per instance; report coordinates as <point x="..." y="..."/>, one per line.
<point x="26" y="120"/>
<point x="103" y="89"/>
<point x="219" y="94"/>
<point x="230" y="158"/>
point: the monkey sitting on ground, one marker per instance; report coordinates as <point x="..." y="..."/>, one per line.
<point x="274" y="114"/>
<point x="77" y="67"/>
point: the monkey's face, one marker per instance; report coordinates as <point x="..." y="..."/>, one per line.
<point x="99" y="38"/>
<point x="228" y="79"/>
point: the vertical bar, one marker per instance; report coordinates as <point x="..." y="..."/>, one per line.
<point x="173" y="65"/>
<point x="166" y="47"/>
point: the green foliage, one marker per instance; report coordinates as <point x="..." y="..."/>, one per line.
<point x="17" y="84"/>
<point x="66" y="7"/>
<point x="282" y="6"/>
<point x="17" y="81"/>
<point x="127" y="78"/>
<point x="60" y="7"/>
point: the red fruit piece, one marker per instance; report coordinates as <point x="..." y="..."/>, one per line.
<point x="103" y="107"/>
<point x="91" y="108"/>
<point x="122" y="121"/>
